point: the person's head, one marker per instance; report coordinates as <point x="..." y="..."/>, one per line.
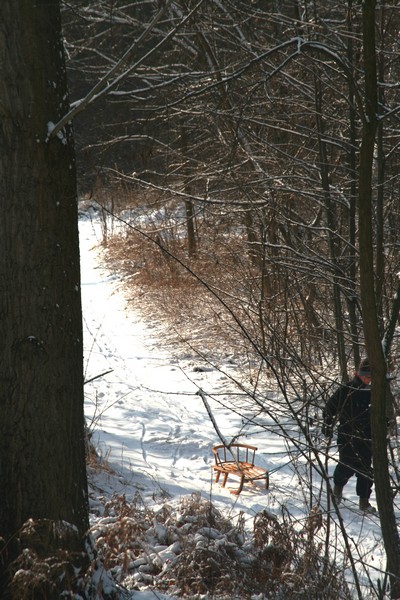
<point x="364" y="371"/>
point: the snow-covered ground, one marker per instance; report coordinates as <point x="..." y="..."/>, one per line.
<point x="150" y="422"/>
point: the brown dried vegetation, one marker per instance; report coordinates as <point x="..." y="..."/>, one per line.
<point x="189" y="549"/>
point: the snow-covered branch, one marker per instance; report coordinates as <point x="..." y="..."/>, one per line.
<point x="104" y="86"/>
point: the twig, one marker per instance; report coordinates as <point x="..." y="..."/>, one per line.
<point x="97" y="376"/>
<point x="213" y="421"/>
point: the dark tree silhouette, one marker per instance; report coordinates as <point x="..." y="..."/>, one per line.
<point x="42" y="457"/>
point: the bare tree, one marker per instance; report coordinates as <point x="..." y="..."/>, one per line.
<point x="370" y="299"/>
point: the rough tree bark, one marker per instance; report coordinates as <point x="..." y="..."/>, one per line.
<point x="42" y="456"/>
<point x="369" y="303"/>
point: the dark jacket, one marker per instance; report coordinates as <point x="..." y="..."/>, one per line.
<point x="351" y="406"/>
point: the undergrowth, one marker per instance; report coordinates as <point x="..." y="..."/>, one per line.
<point x="189" y="549"/>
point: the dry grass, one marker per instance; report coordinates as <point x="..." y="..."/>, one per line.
<point x="206" y="301"/>
<point x="292" y="558"/>
<point x="50" y="562"/>
<point x="189" y="549"/>
<point x="188" y="315"/>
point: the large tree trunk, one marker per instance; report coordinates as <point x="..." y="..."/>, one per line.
<point x="42" y="460"/>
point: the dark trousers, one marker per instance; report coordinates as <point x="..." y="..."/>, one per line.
<point x="355" y="458"/>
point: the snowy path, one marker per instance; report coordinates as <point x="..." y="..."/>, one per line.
<point x="146" y="412"/>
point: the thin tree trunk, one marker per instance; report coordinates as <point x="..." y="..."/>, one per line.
<point x="380" y="255"/>
<point x="370" y="309"/>
<point x="352" y="269"/>
<point x="332" y="225"/>
<point x="191" y="234"/>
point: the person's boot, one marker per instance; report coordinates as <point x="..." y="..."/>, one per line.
<point x="338" y="493"/>
<point x="366" y="507"/>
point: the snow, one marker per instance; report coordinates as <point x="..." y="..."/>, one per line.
<point x="147" y="411"/>
<point x="150" y="423"/>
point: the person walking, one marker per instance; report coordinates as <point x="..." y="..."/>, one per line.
<point x="350" y="406"/>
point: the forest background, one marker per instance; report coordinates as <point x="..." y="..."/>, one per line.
<point x="266" y="138"/>
<point x="264" y="141"/>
